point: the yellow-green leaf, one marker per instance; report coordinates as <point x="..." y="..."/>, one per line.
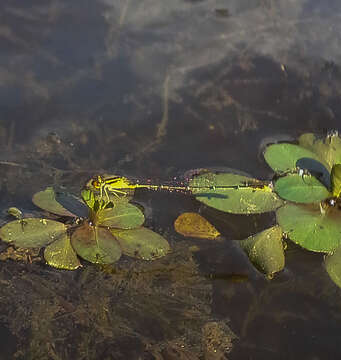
<point x="301" y="188"/>
<point x="61" y="255"/>
<point x="310" y="227"/>
<point x="333" y="265"/>
<point x="59" y="203"/>
<point x="234" y="193"/>
<point x="336" y="180"/>
<point x="95" y="244"/>
<point x="141" y="243"/>
<point x="194" y="225"/>
<point x="284" y="157"/>
<point x="32" y="232"/>
<point x="265" y="250"/>
<point x="122" y="215"/>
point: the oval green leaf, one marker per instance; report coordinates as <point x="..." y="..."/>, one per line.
<point x="327" y="149"/>
<point x="32" y="232"/>
<point x="310" y="228"/>
<point x="141" y="243"/>
<point x="307" y="141"/>
<point x="122" y="215"/>
<point x="265" y="250"/>
<point x="336" y="180"/>
<point x="95" y="244"/>
<point x="301" y="189"/>
<point x="46" y="200"/>
<point x="283" y="157"/>
<point x="72" y="203"/>
<point x="88" y="197"/>
<point x="61" y="255"/>
<point x="333" y="266"/>
<point x="234" y="193"/>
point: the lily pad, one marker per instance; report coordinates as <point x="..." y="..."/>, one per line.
<point x="95" y="244"/>
<point x="307" y="141"/>
<point x="333" y="266"/>
<point x="141" y="243"/>
<point x="327" y="149"/>
<point x="122" y="215"/>
<point x="32" y="232"/>
<point x="194" y="225"/>
<point x="301" y="189"/>
<point x="265" y="250"/>
<point x="283" y="157"/>
<point x="61" y="255"/>
<point x="316" y="169"/>
<point x="234" y="193"/>
<point x="72" y="203"/>
<point x="336" y="180"/>
<point x="46" y="200"/>
<point x="310" y="228"/>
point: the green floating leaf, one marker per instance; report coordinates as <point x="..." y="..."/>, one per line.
<point x="142" y="243"/>
<point x="310" y="228"/>
<point x="72" y="203"/>
<point x="95" y="244"/>
<point x="307" y="141"/>
<point x="336" y="180"/>
<point x="94" y="202"/>
<point x="88" y="197"/>
<point x="122" y="215"/>
<point x="327" y="149"/>
<point x="194" y="225"/>
<point x="301" y="189"/>
<point x="46" y="200"/>
<point x="32" y="232"/>
<point x="61" y="255"/>
<point x="333" y="266"/>
<point x="265" y="250"/>
<point x="15" y="212"/>
<point x="284" y="157"/>
<point x="212" y="190"/>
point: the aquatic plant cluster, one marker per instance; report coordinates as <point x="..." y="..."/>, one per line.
<point x="96" y="230"/>
<point x="304" y="193"/>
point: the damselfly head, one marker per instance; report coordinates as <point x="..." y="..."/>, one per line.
<point x="97" y="181"/>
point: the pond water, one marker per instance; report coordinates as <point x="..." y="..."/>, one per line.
<point x="152" y="89"/>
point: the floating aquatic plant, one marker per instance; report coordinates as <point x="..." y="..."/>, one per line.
<point x="88" y="232"/>
<point x="306" y="196"/>
<point x="235" y="193"/>
<point x="305" y="193"/>
<point x="194" y="225"/>
<point x="265" y="250"/>
<point x="309" y="173"/>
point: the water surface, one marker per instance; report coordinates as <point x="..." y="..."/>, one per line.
<point x="150" y="90"/>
